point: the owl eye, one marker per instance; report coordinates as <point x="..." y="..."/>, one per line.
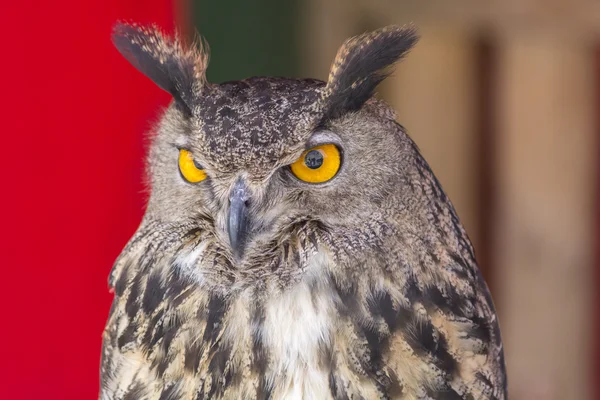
<point x="190" y="171"/>
<point x="318" y="164"/>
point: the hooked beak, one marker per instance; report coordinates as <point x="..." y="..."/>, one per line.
<point x="237" y="222"/>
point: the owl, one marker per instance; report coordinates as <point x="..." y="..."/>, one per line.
<point x="295" y="245"/>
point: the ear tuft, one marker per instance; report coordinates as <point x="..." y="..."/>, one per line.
<point x="174" y="67"/>
<point x="360" y="65"/>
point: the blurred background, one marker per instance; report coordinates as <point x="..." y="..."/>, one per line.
<point x="501" y="96"/>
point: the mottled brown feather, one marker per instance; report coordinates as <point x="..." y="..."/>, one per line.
<point x="362" y="287"/>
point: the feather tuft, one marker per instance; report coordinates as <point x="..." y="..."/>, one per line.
<point x="361" y="64"/>
<point x="169" y="62"/>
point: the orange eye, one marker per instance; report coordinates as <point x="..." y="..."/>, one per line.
<point x="318" y="165"/>
<point x="189" y="169"/>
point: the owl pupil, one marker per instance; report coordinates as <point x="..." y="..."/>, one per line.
<point x="314" y="159"/>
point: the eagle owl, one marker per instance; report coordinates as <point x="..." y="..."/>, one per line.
<point x="296" y="245"/>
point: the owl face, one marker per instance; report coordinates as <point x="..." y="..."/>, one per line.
<point x="252" y="158"/>
<point x="252" y="165"/>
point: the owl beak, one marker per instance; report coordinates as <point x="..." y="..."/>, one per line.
<point x="239" y="200"/>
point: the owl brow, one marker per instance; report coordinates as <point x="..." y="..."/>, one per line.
<point x="360" y="65"/>
<point x="322" y="137"/>
<point x="181" y="147"/>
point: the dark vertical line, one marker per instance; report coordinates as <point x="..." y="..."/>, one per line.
<point x="486" y="58"/>
<point x="595" y="362"/>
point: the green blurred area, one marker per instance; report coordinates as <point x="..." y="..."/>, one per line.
<point x="248" y="38"/>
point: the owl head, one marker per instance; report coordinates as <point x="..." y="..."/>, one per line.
<point x="252" y="161"/>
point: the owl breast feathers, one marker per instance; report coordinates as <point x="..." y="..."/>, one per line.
<point x="295" y="245"/>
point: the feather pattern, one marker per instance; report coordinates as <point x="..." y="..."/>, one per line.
<point x="361" y="64"/>
<point x="175" y="67"/>
<point x="365" y="286"/>
<point x="425" y="325"/>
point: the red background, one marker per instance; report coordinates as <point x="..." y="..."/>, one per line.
<point x="73" y="117"/>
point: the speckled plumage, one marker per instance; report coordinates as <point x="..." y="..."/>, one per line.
<point x="365" y="286"/>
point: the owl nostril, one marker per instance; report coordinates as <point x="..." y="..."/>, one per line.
<point x="240" y="193"/>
